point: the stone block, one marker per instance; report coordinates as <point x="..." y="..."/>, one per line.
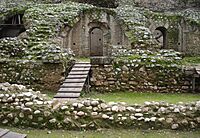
<point x="103" y="60"/>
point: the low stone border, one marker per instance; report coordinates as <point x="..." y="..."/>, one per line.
<point x="26" y="108"/>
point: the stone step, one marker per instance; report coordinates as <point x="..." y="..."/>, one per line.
<point x="78" y="73"/>
<point x="81" y="69"/>
<point x="74" y="80"/>
<point x="67" y="95"/>
<point x="72" y="85"/>
<point x="82" y="65"/>
<point x="70" y="90"/>
<point x="3" y="132"/>
<point x="76" y="76"/>
<point x="14" y="135"/>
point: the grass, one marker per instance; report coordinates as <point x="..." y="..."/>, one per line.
<point x="82" y="59"/>
<point x="136" y="97"/>
<point x="104" y="133"/>
<point x="50" y="94"/>
<point x="191" y="60"/>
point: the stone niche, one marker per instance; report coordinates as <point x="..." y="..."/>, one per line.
<point x="94" y="36"/>
<point x="12" y="27"/>
<point x="181" y="36"/>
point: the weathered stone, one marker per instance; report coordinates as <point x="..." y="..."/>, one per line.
<point x="125" y="68"/>
<point x="16" y="120"/>
<point x="87" y="102"/>
<point x="29" y="104"/>
<point x="124" y="118"/>
<point x="10" y="115"/>
<point x="30" y="116"/>
<point x="21" y="115"/>
<point x="147" y="103"/>
<point x="53" y="120"/>
<point x="184" y="122"/>
<point x="75" y="104"/>
<point x="95" y="108"/>
<point x="80" y="105"/>
<point x="80" y="113"/>
<point x="175" y="126"/>
<point x="193" y="124"/>
<point x="169" y="120"/>
<point x="104" y="116"/>
<point x="153" y="119"/>
<point x="94" y="113"/>
<point x="37" y="112"/>
<point x="64" y="107"/>
<point x="40" y="119"/>
<point x="138" y="114"/>
<point x="161" y="119"/>
<point x="176" y="110"/>
<point x="103" y="105"/>
<point x="146" y="119"/>
<point x="39" y="102"/>
<point x="115" y="108"/>
<point x="67" y="120"/>
<point x="133" y="118"/>
<point x="138" y="110"/>
<point x="94" y="103"/>
<point x="131" y="109"/>
<point x="89" y="107"/>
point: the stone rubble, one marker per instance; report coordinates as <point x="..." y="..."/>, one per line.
<point x="28" y="108"/>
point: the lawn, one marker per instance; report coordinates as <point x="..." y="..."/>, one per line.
<point x="191" y="60"/>
<point x="136" y="97"/>
<point x="111" y="133"/>
<point x="82" y="59"/>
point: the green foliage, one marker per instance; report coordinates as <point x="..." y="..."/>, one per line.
<point x="162" y="58"/>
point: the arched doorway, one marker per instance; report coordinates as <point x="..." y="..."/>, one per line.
<point x="160" y="35"/>
<point x="12" y="27"/>
<point x="96" y="42"/>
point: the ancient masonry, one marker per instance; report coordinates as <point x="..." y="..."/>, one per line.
<point x="27" y="108"/>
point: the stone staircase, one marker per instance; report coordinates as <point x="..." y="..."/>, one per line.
<point x="75" y="81"/>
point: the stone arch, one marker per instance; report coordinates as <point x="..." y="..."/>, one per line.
<point x="160" y="35"/>
<point x="160" y="29"/>
<point x="74" y="38"/>
<point x="12" y="26"/>
<point x="103" y="26"/>
<point x="78" y="38"/>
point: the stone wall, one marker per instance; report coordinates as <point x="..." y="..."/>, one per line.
<point x="26" y="108"/>
<point x="170" y="29"/>
<point x="141" y="70"/>
<point x="191" y="37"/>
<point x="163" y="5"/>
<point x="36" y="74"/>
<point x="109" y="78"/>
<point x="180" y="33"/>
